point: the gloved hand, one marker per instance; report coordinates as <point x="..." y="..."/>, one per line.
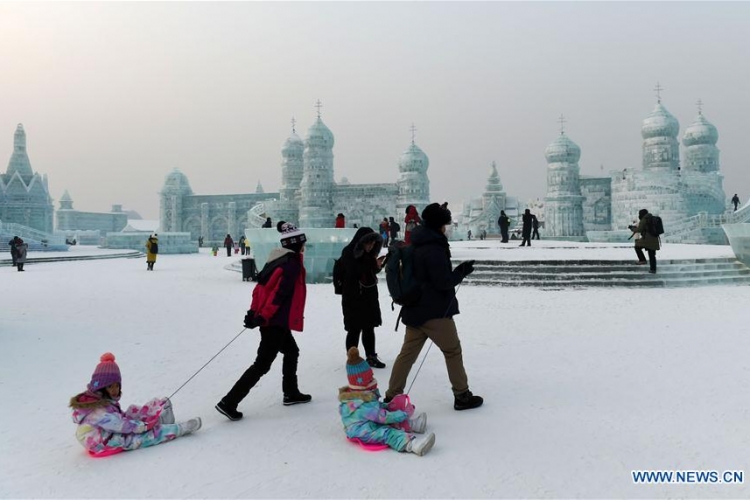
<point x="252" y="320"/>
<point x="466" y="268"/>
<point x="151" y="422"/>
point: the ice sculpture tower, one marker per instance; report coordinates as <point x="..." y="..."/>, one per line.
<point x="493" y="200"/>
<point x="703" y="182"/>
<point x="413" y="183"/>
<point x="292" y="169"/>
<point x="316" y="187"/>
<point x="176" y="186"/>
<point x="563" y="203"/>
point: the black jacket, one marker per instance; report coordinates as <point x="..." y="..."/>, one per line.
<point x="432" y="268"/>
<point x="527" y="223"/>
<point x="503" y="222"/>
<point x="359" y="298"/>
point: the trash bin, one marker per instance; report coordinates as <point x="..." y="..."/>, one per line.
<point x="249" y="271"/>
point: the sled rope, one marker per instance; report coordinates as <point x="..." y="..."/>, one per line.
<point x="424" y="358"/>
<point x="207" y="363"/>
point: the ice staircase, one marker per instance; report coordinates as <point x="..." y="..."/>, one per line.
<point x="38" y="241"/>
<point x="600" y="273"/>
<point x="699" y="228"/>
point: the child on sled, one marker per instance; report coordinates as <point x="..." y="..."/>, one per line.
<point x="104" y="429"/>
<point x="370" y="422"/>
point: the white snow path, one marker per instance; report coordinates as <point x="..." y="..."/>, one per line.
<point x="581" y="387"/>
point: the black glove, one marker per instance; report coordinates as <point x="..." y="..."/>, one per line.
<point x="253" y="321"/>
<point x="466" y="268"/>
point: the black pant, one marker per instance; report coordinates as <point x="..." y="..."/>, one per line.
<point x="368" y="340"/>
<point x="535" y="235"/>
<point x="273" y="340"/>
<point x="525" y="240"/>
<point x="651" y="257"/>
<point x="229" y="251"/>
<point x="504" y="234"/>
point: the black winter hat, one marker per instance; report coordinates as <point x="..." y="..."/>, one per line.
<point x="435" y="217"/>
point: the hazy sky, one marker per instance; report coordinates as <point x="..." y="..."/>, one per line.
<point x="115" y="95"/>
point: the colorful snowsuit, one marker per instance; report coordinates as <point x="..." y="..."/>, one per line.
<point x="103" y="428"/>
<point x="369" y="420"/>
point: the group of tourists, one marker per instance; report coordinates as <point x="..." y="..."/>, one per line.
<point x="277" y="309"/>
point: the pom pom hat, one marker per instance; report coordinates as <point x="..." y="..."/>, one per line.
<point x="359" y="372"/>
<point x="107" y="373"/>
<point x="291" y="237"/>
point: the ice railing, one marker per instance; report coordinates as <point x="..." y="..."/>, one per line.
<point x="704" y="220"/>
<point x="28" y="233"/>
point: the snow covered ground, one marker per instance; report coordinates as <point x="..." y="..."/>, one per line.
<point x="580" y="387"/>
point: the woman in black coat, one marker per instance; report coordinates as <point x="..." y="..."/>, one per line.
<point x="360" y="265"/>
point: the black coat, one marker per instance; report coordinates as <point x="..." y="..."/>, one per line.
<point x="432" y="268"/>
<point x="359" y="297"/>
<point x="503" y="222"/>
<point x="527" y="223"/>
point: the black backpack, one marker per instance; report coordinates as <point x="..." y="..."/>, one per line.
<point x="655" y="226"/>
<point x="338" y="277"/>
<point x="399" y="275"/>
<point x="154" y="247"/>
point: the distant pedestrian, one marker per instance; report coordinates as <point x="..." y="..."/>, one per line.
<point x="152" y="250"/>
<point x="340" y="221"/>
<point x="268" y="223"/>
<point x="21" y="249"/>
<point x="535" y="225"/>
<point x="385" y="231"/>
<point x="528" y="222"/>
<point x="200" y="241"/>
<point x="394" y="228"/>
<point x="735" y="201"/>
<point x="647" y="240"/>
<point x="243" y="245"/>
<point x="411" y="221"/>
<point x="13" y="251"/>
<point x="228" y="244"/>
<point x="504" y="222"/>
<point x="468" y="234"/>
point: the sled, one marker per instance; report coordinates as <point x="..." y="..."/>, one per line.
<point x="368" y="446"/>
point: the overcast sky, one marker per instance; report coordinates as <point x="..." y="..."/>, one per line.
<point x="115" y="95"/>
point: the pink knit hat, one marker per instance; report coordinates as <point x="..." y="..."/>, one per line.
<point x="107" y="373"/>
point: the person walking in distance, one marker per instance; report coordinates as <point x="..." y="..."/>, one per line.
<point x="528" y="222"/>
<point x="152" y="250"/>
<point x="411" y="221"/>
<point x="504" y="222"/>
<point x="229" y="244"/>
<point x="431" y="316"/>
<point x="735" y="201"/>
<point x="535" y="226"/>
<point x="647" y="241"/>
<point x="278" y="307"/>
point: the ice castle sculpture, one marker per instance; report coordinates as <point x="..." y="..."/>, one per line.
<point x="481" y="214"/>
<point x="309" y="195"/>
<point x="24" y="194"/>
<point x="601" y="208"/>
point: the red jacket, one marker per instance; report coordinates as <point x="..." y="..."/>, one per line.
<point x="279" y="297"/>
<point x="340" y="222"/>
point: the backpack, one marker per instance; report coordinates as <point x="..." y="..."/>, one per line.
<point x="655" y="226"/>
<point x="338" y="277"/>
<point x="399" y="275"/>
<point x="154" y="247"/>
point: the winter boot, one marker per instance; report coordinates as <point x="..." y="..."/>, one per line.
<point x="228" y="411"/>
<point x="190" y="426"/>
<point x="296" y="399"/>
<point x="166" y="416"/>
<point x="419" y="423"/>
<point x="420" y="445"/>
<point x="374" y="362"/>
<point x="467" y="401"/>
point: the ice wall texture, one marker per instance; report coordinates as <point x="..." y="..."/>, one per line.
<point x="564" y="202"/>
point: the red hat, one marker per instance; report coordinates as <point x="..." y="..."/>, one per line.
<point x="359" y="372"/>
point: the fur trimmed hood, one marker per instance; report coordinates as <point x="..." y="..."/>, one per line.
<point x="373" y="237"/>
<point x="89" y="401"/>
<point x="347" y="394"/>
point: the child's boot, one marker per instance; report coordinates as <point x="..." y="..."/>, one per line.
<point x="421" y="445"/>
<point x="190" y="426"/>
<point x="419" y="423"/>
<point x="167" y="415"/>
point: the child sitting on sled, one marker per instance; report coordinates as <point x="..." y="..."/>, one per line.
<point x="104" y="429"/>
<point x="370" y="422"/>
